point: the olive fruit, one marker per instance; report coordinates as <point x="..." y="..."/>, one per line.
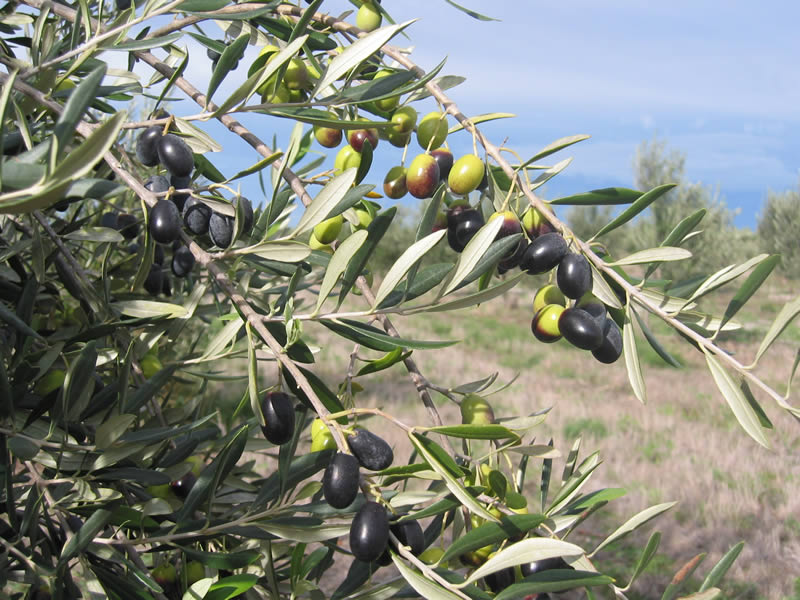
<point x="611" y="347"/>
<point x="296" y="75"/>
<point x="545" y="564"/>
<point x="372" y="452"/>
<point x="465" y="175"/>
<point x="158" y="255"/>
<point x="196" y="215"/>
<point x="462" y="225"/>
<point x="432" y="131"/>
<point x="357" y="137"/>
<point x="580" y="329"/>
<point x="422" y="177"/>
<point x="157" y="184"/>
<point x="475" y="558"/>
<point x="275" y="95"/>
<point x="315" y="244"/>
<point x="109" y="220"/>
<point x="340" y="480"/>
<point x="398" y="140"/>
<point x="394" y="184"/>
<point x="403" y="120"/>
<point x="368" y="17"/>
<point x="180" y="183"/>
<point x="439" y="222"/>
<point x="409" y="533"/>
<point x="346" y="158"/>
<point x="175" y="155"/>
<point x="328" y="230"/>
<point x="128" y="225"/>
<point x="154" y="282"/>
<point x="327" y="136"/>
<point x="510" y="226"/>
<point x="545" y="323"/>
<point x="444" y="158"/>
<point x="594" y="307"/>
<point x="247" y="214"/>
<point x="369" y="532"/>
<point x="182" y="262"/>
<point x="500" y="580"/>
<point x="220" y="228"/>
<point x="195" y="571"/>
<point x="182" y="486"/>
<point x="321" y="436"/>
<point x="535" y="224"/>
<point x="278" y="413"/>
<point x="390" y="103"/>
<point x="574" y="275"/>
<point x="475" y="410"/>
<point x="364" y="218"/>
<point x="513" y="258"/>
<point x="213" y="55"/>
<point x="548" y="294"/>
<point x="165" y="575"/>
<point x="544" y="253"/>
<point x="147" y="145"/>
<point x="165" y="222"/>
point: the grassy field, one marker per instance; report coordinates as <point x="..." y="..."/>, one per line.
<point x="684" y="445"/>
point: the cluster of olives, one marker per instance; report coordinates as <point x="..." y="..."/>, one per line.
<point x="168" y="577"/>
<point x="177" y="209"/>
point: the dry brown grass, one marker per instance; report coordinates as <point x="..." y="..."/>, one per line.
<point x="684" y="445"/>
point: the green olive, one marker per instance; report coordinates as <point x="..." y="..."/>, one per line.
<point x="466" y="174"/>
<point x="475" y="410"/>
<point x="369" y="17"/>
<point x="346" y="158"/>
<point x="328" y="230"/>
<point x="432" y="130"/>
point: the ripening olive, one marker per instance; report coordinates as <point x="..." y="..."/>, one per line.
<point x="182" y="262"/>
<point x="340" y="480"/>
<point x="465" y="175"/>
<point x="422" y="177"/>
<point x="394" y="184"/>
<point x="196" y="216"/>
<point x="544" y="253"/>
<point x="372" y="451"/>
<point x="611" y="347"/>
<point x="444" y="158"/>
<point x="432" y="130"/>
<point x="328" y="230"/>
<point x="175" y="155"/>
<point x="328" y="136"/>
<point x="220" y="228"/>
<point x="439" y="222"/>
<point x="548" y="294"/>
<point x="369" y="532"/>
<point x="147" y="145"/>
<point x="580" y="329"/>
<point x="545" y="323"/>
<point x="535" y="224"/>
<point x="278" y="413"/>
<point x="165" y="575"/>
<point x="476" y="410"/>
<point x="347" y="158"/>
<point x="368" y="17"/>
<point x="574" y="275"/>
<point x="165" y="222"/>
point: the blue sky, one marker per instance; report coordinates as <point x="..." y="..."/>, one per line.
<point x="716" y="80"/>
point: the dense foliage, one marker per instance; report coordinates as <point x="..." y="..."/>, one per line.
<point x="136" y="282"/>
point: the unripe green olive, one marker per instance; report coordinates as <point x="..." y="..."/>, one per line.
<point x="364" y="218"/>
<point x="386" y="104"/>
<point x="346" y="158"/>
<point x="432" y="131"/>
<point x="548" y="294"/>
<point x="195" y="571"/>
<point x="296" y="75"/>
<point x="369" y="17"/>
<point x="398" y="140"/>
<point x="328" y="230"/>
<point x="476" y="410"/>
<point x="315" y="244"/>
<point x="403" y="120"/>
<point x="321" y="436"/>
<point x="282" y="95"/>
<point x="466" y="174"/>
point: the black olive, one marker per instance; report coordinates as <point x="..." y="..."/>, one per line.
<point x="544" y="253"/>
<point x="175" y="155"/>
<point x="611" y="347"/>
<point x="220" y="228"/>
<point x="278" y="414"/>
<point x="182" y="262"/>
<point x="196" y="216"/>
<point x="580" y="329"/>
<point x="165" y="222"/>
<point x="369" y="532"/>
<point x="340" y="480"/>
<point x="372" y="452"/>
<point x="574" y="275"/>
<point x="147" y="144"/>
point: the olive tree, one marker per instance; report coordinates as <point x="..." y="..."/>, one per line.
<point x="134" y="277"/>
